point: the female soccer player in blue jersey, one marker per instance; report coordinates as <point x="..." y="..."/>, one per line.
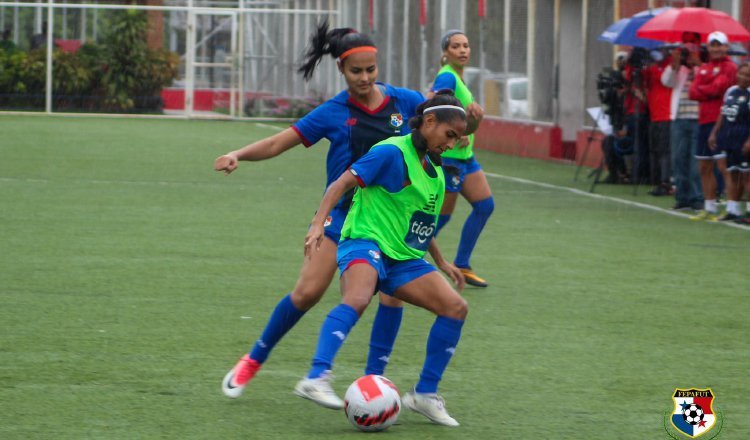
<point x="354" y="120"/>
<point x="467" y="177"/>
<point x="731" y="135"/>
<point x="389" y="228"/>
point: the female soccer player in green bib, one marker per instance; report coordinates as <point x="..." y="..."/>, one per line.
<point x="390" y="226"/>
<point x="466" y="176"/>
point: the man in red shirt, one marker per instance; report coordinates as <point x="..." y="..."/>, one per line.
<point x="636" y="115"/>
<point x="658" y="98"/>
<point x="712" y="79"/>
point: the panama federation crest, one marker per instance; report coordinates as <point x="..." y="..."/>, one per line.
<point x="693" y="414"/>
<point x="397" y="120"/>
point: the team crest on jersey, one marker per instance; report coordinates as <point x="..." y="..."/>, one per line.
<point x="741" y="99"/>
<point x="397" y="120"/>
<point x="693" y="414"/>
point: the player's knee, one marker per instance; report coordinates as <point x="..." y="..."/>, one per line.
<point x="357" y="299"/>
<point x="305" y="296"/>
<point x="484" y="207"/>
<point x="388" y="300"/>
<point x="458" y="308"/>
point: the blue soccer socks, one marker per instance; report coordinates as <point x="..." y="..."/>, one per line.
<point x="472" y="228"/>
<point x="441" y="344"/>
<point x="283" y="318"/>
<point x="383" y="336"/>
<point x="333" y="333"/>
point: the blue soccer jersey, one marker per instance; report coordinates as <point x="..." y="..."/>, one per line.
<point x="444" y="81"/>
<point x="735" y="123"/>
<point x="384" y="166"/>
<point x="352" y="129"/>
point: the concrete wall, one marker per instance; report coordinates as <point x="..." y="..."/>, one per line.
<point x="572" y="68"/>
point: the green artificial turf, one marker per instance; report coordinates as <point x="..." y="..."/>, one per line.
<point x="133" y="276"/>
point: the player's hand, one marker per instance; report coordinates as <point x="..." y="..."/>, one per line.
<point x="314" y="238"/>
<point x="676" y="54"/>
<point x="712" y="142"/>
<point x="226" y="163"/>
<point x="463" y="142"/>
<point x="454" y="273"/>
<point x="746" y="148"/>
<point x="475" y="111"/>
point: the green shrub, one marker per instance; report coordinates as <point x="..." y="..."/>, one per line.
<point x="121" y="74"/>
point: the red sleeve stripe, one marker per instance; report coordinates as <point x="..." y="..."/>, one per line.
<point x="305" y="142"/>
<point x="360" y="182"/>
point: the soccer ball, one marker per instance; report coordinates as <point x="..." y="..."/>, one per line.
<point x="372" y="403"/>
<point x="693" y="414"/>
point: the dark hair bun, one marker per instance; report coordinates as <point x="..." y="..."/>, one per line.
<point x="332" y="42"/>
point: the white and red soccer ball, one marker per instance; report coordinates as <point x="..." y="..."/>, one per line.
<point x="372" y="403"/>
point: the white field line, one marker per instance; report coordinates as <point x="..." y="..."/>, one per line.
<point x="268" y="126"/>
<point x="608" y="198"/>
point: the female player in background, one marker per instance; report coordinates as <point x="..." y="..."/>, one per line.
<point x="387" y="232"/>
<point x="731" y="135"/>
<point x="354" y="120"/>
<point x="464" y="174"/>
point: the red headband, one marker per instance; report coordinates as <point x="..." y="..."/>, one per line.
<point x="356" y="50"/>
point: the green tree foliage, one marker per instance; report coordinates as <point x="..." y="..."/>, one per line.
<point x="121" y="74"/>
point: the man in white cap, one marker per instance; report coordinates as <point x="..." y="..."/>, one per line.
<point x="712" y="79"/>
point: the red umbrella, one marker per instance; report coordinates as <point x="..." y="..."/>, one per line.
<point x="670" y="25"/>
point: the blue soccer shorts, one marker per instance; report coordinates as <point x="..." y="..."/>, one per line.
<point x="705" y="153"/>
<point x="455" y="176"/>
<point x="392" y="274"/>
<point x="736" y="161"/>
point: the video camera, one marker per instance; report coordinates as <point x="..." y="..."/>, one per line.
<point x="609" y="84"/>
<point x="685" y="50"/>
<point x="639" y="58"/>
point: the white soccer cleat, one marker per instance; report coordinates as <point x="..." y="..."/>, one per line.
<point x="429" y="405"/>
<point x="235" y="381"/>
<point x="319" y="391"/>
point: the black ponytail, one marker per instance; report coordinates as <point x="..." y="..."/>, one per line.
<point x="333" y="42"/>
<point x="442" y="97"/>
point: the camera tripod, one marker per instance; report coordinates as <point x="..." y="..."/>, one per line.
<point x="596" y="172"/>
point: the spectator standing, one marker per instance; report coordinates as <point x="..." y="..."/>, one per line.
<point x="636" y="116"/>
<point x="658" y="97"/>
<point x="712" y="80"/>
<point x="683" y="136"/>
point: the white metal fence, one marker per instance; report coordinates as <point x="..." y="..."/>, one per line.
<point x="239" y="58"/>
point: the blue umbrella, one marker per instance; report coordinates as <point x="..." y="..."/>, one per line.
<point x="623" y="32"/>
